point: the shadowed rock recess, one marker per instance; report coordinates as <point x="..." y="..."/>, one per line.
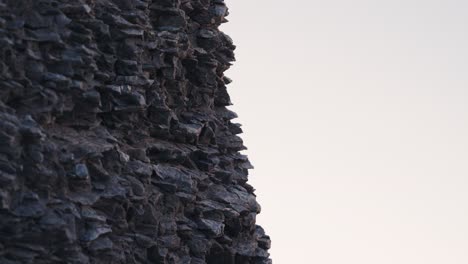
<point x="116" y="145"/>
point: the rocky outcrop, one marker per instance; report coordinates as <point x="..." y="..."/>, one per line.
<point x="116" y="145"/>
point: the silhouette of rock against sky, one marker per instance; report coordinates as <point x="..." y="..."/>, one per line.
<point x="116" y="145"/>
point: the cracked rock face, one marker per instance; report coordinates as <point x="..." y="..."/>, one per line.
<point x="116" y="145"/>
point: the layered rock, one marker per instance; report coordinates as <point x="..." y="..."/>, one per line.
<point x="116" y="145"/>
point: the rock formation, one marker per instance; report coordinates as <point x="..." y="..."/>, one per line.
<point x="116" y="145"/>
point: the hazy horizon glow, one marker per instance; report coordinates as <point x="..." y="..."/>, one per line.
<point x="356" y="118"/>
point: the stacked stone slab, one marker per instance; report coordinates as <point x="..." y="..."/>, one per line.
<point x="116" y="145"/>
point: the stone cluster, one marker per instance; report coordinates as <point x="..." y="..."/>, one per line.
<point x="116" y="145"/>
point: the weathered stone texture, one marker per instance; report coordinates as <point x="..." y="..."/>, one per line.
<point x="116" y="145"/>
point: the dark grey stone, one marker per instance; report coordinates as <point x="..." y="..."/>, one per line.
<point x="116" y="143"/>
<point x="80" y="172"/>
<point x="215" y="228"/>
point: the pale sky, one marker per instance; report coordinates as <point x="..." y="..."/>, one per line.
<point x="356" y="118"/>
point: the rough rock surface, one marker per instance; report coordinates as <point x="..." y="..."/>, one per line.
<point x="116" y="145"/>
